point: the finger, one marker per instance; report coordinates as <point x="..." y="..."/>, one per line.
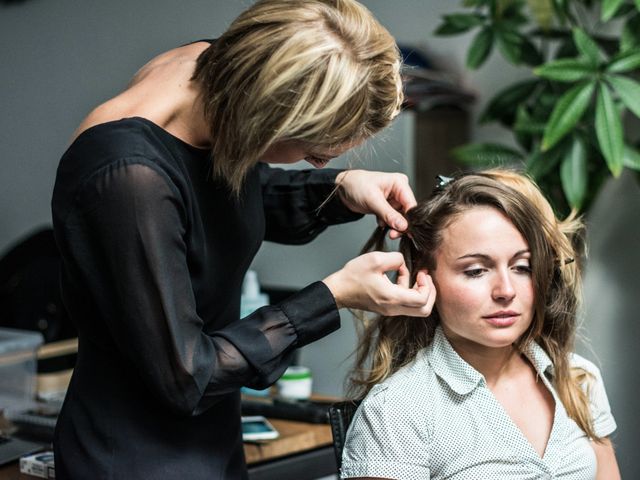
<point x="387" y="261"/>
<point x="421" y="305"/>
<point x="391" y="217"/>
<point x="402" y="194"/>
<point x="406" y="299"/>
<point x="424" y="283"/>
<point x="395" y="234"/>
<point x="422" y="279"/>
<point x="403" y="277"/>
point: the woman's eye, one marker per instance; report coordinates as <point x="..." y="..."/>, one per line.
<point x="474" y="272"/>
<point x="523" y="269"/>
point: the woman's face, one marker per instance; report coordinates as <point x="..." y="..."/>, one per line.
<point x="294" y="151"/>
<point x="483" y="280"/>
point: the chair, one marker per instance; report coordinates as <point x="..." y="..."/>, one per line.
<point x="30" y="297"/>
<point x="340" y="416"/>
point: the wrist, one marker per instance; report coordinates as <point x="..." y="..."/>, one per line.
<point x="333" y="284"/>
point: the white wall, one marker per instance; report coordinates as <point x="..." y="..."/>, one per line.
<point x="59" y="59"/>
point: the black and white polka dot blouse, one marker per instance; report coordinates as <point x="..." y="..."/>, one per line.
<point x="437" y="419"/>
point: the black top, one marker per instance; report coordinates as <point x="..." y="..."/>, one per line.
<point x="154" y="253"/>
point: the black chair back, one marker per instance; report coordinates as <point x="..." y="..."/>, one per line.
<point x="340" y="416"/>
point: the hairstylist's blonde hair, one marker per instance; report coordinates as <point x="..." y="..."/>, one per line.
<point x="322" y="72"/>
<point x="557" y="248"/>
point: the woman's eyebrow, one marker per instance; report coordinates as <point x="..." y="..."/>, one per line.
<point x="475" y="255"/>
<point x="484" y="256"/>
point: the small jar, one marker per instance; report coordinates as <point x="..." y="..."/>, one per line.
<point x="295" y="383"/>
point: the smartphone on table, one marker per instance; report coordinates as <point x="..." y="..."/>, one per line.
<point x="257" y="427"/>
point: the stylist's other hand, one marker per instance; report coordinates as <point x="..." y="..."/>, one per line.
<point x="386" y="195"/>
<point x="362" y="284"/>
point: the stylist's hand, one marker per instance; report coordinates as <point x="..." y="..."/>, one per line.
<point x="386" y="195"/>
<point x="362" y="284"/>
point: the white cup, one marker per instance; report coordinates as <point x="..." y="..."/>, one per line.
<point x="295" y="383"/>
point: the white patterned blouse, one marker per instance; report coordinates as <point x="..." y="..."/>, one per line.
<point x="437" y="419"/>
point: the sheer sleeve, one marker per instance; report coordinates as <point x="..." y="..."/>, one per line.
<point x="300" y="204"/>
<point x="135" y="220"/>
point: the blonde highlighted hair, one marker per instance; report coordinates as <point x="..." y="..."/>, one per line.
<point x="557" y="250"/>
<point x="321" y="72"/>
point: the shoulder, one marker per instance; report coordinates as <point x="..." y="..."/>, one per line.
<point x="578" y="361"/>
<point x="111" y="159"/>
<point x="593" y="385"/>
<point x="588" y="375"/>
<point x="124" y="136"/>
<point x="389" y="436"/>
<point x="408" y="396"/>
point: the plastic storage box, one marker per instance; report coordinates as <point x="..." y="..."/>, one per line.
<point x="18" y="367"/>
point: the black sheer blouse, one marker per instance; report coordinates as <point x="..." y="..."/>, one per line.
<point x="154" y="252"/>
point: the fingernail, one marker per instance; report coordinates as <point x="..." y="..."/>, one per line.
<point x="400" y="225"/>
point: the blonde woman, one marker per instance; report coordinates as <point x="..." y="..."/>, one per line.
<point x="487" y="386"/>
<point x="160" y="204"/>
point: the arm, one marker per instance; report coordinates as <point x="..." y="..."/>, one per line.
<point x="297" y="209"/>
<point x="300" y="204"/>
<point x="136" y="224"/>
<point x="606" y="458"/>
<point x="603" y="422"/>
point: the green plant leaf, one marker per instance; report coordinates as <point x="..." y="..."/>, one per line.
<point x="566" y="70"/>
<point x="486" y="154"/>
<point x="517" y="48"/>
<point x="631" y="158"/>
<point x="480" y="48"/>
<point x="542" y="12"/>
<point x="609" y="130"/>
<point x="561" y="8"/>
<point x="630" y="37"/>
<point x="625" y="62"/>
<point x="457" y="23"/>
<point x="530" y="54"/>
<point x="567" y="113"/>
<point x="505" y="102"/>
<point x="609" y="8"/>
<point x="624" y="11"/>
<point x="628" y="90"/>
<point x="526" y="124"/>
<point x="573" y="174"/>
<point x="637" y="2"/>
<point x="539" y="164"/>
<point x="510" y="45"/>
<point x="586" y="46"/>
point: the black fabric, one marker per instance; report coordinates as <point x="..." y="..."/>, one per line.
<point x="153" y="256"/>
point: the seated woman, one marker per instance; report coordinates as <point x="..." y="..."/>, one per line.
<point x="487" y="387"/>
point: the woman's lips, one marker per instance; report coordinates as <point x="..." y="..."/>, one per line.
<point x="502" y="319"/>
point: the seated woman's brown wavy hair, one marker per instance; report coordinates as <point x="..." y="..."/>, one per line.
<point x="557" y="249"/>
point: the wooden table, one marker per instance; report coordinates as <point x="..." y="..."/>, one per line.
<point x="307" y="445"/>
<point x="294" y="437"/>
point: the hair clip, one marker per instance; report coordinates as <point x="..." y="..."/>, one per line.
<point x="566" y="261"/>
<point x="441" y="182"/>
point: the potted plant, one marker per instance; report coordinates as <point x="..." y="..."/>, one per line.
<point x="567" y="119"/>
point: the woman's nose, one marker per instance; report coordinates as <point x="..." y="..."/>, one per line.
<point x="503" y="287"/>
